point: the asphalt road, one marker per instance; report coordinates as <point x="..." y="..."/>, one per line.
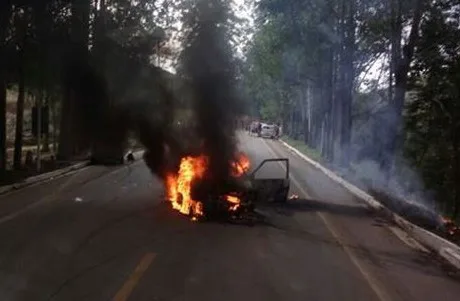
<point x="106" y="234"/>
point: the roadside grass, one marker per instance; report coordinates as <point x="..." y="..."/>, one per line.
<point x="303" y="148"/>
<point x="419" y="215"/>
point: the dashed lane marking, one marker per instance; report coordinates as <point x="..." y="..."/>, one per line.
<point x="373" y="283"/>
<point x="133" y="279"/>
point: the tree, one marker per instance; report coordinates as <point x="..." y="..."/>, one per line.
<point x="5" y="15"/>
<point x="70" y="139"/>
<point x="75" y="52"/>
<point x="316" y="59"/>
<point x="431" y="120"/>
<point x="21" y="22"/>
<point x="401" y="58"/>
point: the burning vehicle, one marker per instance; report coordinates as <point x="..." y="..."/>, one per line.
<point x="191" y="192"/>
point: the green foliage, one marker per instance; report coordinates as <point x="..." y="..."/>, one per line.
<point x="296" y="45"/>
<point x="291" y="61"/>
<point x="44" y="43"/>
<point x="432" y="117"/>
<point x="303" y="148"/>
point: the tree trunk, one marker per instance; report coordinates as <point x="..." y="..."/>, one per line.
<point x="306" y="121"/>
<point x="55" y="124"/>
<point x="19" y="116"/>
<point x="402" y="65"/>
<point x="348" y="82"/>
<point x="456" y="192"/>
<point x="100" y="41"/>
<point x="2" y="121"/>
<point x="337" y="103"/>
<point x="65" y="147"/>
<point x="78" y="56"/>
<point x="46" y="136"/>
<point x="5" y="14"/>
<point x="316" y="118"/>
<point x="396" y="34"/>
<point x="326" y="103"/>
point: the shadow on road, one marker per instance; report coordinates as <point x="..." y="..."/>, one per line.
<point x="427" y="263"/>
<point x="309" y="205"/>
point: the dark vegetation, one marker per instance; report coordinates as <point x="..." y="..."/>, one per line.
<point x="84" y="61"/>
<point x="100" y="63"/>
<point x="373" y="86"/>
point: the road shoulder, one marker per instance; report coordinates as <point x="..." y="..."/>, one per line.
<point x="394" y="265"/>
<point x="445" y="249"/>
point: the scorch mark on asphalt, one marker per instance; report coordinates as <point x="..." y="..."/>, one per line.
<point x="405" y="238"/>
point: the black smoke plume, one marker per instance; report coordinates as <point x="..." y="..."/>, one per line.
<point x="132" y="96"/>
<point x="207" y="62"/>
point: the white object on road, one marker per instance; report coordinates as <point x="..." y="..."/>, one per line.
<point x="267" y="131"/>
<point x="78" y="200"/>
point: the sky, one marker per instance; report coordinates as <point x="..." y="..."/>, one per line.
<point x="243" y="9"/>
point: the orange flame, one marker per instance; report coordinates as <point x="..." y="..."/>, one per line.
<point x="446" y="220"/>
<point x="241" y="165"/>
<point x="235" y="201"/>
<point x="452" y="228"/>
<point x="179" y="186"/>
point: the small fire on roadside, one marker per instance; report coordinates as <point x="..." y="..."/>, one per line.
<point x="179" y="185"/>
<point x="451" y="227"/>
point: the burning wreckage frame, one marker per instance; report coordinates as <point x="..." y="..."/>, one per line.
<point x="246" y="191"/>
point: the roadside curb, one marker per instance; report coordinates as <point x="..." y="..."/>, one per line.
<point x="57" y="173"/>
<point x="43" y="177"/>
<point x="447" y="250"/>
<point x="138" y="154"/>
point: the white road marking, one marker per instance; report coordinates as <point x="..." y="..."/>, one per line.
<point x="400" y="234"/>
<point x="405" y="238"/>
<point x="371" y="280"/>
<point x="452" y="256"/>
<point x="47" y="199"/>
<point x="52" y="197"/>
